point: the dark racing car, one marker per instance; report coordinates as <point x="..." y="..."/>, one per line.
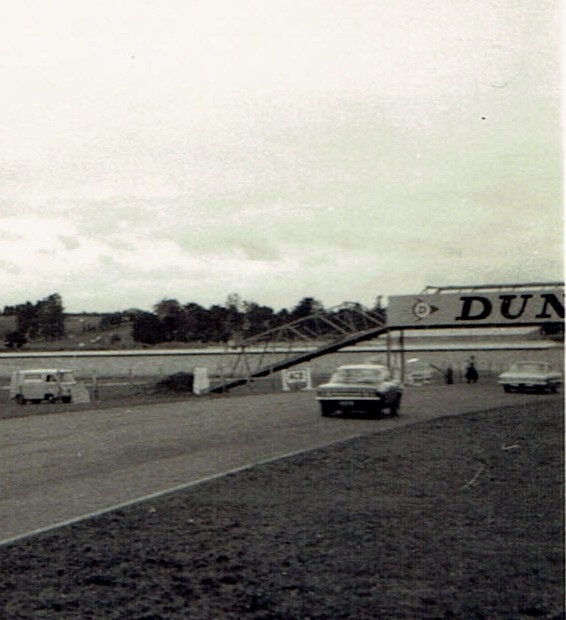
<point x="367" y="388"/>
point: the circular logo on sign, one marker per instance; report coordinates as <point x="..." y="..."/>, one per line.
<point x="421" y="310"/>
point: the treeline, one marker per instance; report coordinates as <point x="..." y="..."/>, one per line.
<point x="44" y="319"/>
<point x="170" y="320"/>
<point x="237" y="319"/>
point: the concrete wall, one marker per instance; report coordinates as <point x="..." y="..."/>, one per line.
<point x="125" y="365"/>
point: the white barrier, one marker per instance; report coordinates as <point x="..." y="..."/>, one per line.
<point x="201" y="381"/>
<point x="296" y="380"/>
<point x="80" y="393"/>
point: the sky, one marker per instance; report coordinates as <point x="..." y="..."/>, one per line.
<point x="276" y="149"/>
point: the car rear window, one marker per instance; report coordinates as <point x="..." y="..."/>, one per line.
<point x="529" y="367"/>
<point x="357" y="375"/>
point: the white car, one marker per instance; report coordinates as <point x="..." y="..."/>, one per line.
<point x="368" y="388"/>
<point x="524" y="376"/>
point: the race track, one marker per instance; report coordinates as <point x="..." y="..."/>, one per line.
<point x="64" y="466"/>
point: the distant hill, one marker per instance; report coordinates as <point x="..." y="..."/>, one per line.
<point x="83" y="331"/>
<point x="87" y="331"/>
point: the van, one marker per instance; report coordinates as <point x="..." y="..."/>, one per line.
<point x="42" y="385"/>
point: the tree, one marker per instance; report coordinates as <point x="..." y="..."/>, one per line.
<point x="171" y="315"/>
<point x="167" y="307"/>
<point x="196" y="323"/>
<point x="50" y="317"/>
<point x="257" y="318"/>
<point x="146" y="328"/>
<point x="281" y="317"/>
<point x="217" y="322"/>
<point x="26" y="319"/>
<point x="45" y="319"/>
<point x="306" y="307"/>
<point x="15" y="339"/>
<point x="234" y="317"/>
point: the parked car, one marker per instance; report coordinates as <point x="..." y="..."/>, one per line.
<point x="367" y="388"/>
<point x="418" y="375"/>
<point x="43" y="384"/>
<point x="527" y="375"/>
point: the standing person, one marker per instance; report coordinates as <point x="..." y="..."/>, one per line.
<point x="471" y="372"/>
<point x="449" y="375"/>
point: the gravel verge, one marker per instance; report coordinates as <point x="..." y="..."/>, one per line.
<point x="461" y="517"/>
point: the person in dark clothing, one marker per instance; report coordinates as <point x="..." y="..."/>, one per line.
<point x="471" y="373"/>
<point x="449" y="375"/>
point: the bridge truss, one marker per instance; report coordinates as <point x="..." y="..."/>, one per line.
<point x="298" y="341"/>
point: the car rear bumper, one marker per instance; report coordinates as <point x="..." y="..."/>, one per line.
<point x="528" y="383"/>
<point x="350" y="404"/>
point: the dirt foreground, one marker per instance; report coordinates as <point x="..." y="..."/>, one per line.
<point x="460" y="518"/>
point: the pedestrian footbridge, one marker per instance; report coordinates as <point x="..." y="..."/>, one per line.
<point x="296" y="342"/>
<point x="327" y="331"/>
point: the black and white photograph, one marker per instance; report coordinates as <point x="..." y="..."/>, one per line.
<point x="282" y="310"/>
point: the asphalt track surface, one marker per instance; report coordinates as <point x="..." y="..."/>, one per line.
<point x="62" y="467"/>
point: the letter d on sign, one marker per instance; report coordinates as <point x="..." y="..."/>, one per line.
<point x="481" y="313"/>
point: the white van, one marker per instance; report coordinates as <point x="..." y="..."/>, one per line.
<point x="44" y="384"/>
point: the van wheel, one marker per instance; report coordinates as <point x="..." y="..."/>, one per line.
<point x="65" y="399"/>
<point x="20" y="399"/>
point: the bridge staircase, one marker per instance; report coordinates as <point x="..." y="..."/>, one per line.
<point x="296" y="342"/>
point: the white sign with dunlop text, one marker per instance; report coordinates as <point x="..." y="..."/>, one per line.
<point x="476" y="308"/>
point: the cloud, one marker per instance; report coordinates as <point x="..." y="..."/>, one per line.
<point x="279" y="150"/>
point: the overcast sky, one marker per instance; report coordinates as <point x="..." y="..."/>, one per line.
<point x="336" y="149"/>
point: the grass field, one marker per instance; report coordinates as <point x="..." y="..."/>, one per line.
<point x="457" y="518"/>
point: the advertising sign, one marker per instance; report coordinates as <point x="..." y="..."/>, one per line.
<point x="296" y="379"/>
<point x="476" y="308"/>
